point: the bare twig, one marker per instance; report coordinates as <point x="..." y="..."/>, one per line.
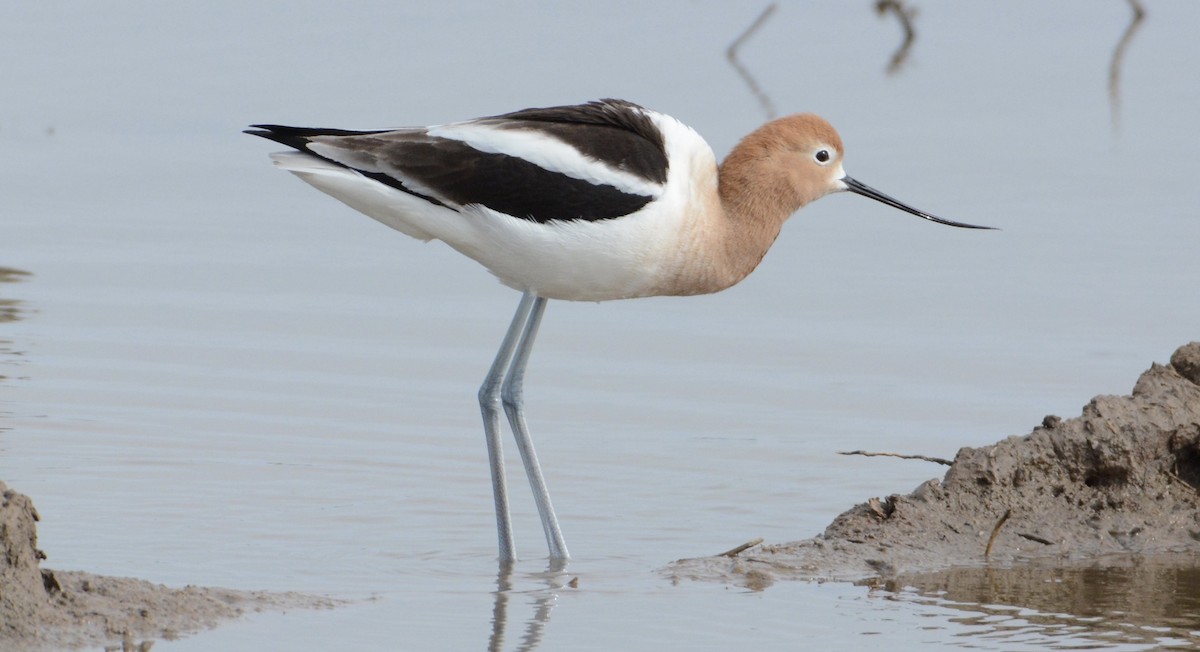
<point x="731" y="54"/>
<point x="987" y="552"/>
<point x="1114" y="68"/>
<point x="1035" y="538"/>
<point x="1174" y="473"/>
<point x="905" y="15"/>
<point x="742" y="548"/>
<point x="925" y="458"/>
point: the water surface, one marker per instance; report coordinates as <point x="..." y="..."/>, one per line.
<point x="218" y="376"/>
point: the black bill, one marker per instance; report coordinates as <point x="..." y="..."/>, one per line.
<point x="863" y="189"/>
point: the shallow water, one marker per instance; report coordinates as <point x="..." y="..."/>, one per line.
<point x="218" y="376"/>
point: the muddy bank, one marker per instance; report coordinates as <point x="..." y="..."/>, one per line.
<point x="42" y="609"/>
<point x="1123" y="477"/>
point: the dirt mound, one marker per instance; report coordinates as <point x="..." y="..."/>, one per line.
<point x="45" y="609"/>
<point x="1124" y="477"/>
<point x="24" y="590"/>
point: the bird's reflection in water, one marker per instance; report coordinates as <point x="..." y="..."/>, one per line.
<point x="543" y="599"/>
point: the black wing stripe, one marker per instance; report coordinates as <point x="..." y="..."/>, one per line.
<point x="453" y="174"/>
<point x="463" y="175"/>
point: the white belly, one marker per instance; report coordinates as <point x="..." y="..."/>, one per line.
<point x="632" y="256"/>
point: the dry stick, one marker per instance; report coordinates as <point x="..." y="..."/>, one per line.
<point x="995" y="531"/>
<point x="926" y="458"/>
<point x="1034" y="537"/>
<point x="731" y="54"/>
<point x="1172" y="473"/>
<point x="1114" y="68"/>
<point x="906" y="17"/>
<point x="742" y="548"/>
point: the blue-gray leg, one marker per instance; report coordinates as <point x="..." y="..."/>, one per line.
<point x="489" y="404"/>
<point x="512" y="395"/>
<point x="504" y="384"/>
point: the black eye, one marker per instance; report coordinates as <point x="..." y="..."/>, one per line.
<point x="822" y="156"/>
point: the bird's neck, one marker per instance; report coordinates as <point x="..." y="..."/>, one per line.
<point x="738" y="212"/>
<point x="755" y="200"/>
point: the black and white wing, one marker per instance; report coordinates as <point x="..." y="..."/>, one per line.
<point x="594" y="161"/>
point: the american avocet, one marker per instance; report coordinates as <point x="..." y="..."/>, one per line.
<point x="592" y="202"/>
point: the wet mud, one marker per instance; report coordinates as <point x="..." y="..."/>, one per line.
<point x="1121" y="479"/>
<point x="43" y="609"/>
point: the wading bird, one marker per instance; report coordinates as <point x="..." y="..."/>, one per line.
<point x="590" y="202"/>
